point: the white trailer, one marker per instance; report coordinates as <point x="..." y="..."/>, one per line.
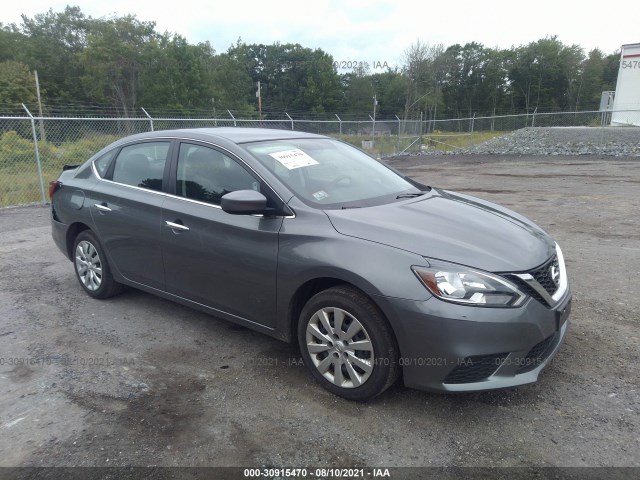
<point x="626" y="104"/>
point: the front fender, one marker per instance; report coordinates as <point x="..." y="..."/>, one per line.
<point x="310" y="248"/>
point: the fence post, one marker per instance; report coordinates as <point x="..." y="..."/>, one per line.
<point x="340" y="122"/>
<point x="398" y="137"/>
<point x="234" y="118"/>
<point x="533" y="121"/>
<point x="289" y="119"/>
<point x="373" y="129"/>
<point x="473" y="121"/>
<point x="149" y="117"/>
<point x="35" y="143"/>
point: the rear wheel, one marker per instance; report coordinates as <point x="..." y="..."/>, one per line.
<point x="348" y="344"/>
<point x="91" y="267"/>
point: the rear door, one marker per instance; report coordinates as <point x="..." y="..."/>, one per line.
<point x="227" y="262"/>
<point x="126" y="207"/>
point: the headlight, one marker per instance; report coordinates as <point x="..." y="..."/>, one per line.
<point x="458" y="284"/>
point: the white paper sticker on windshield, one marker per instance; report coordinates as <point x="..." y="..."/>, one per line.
<point x="320" y="195"/>
<point x="294" y="158"/>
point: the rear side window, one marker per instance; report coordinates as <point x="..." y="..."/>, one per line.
<point x="205" y="174"/>
<point x="102" y="163"/>
<point x="141" y="165"/>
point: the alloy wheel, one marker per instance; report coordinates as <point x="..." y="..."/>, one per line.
<point x="88" y="265"/>
<point x="340" y="347"/>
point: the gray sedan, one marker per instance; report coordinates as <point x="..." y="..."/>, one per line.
<point x="308" y="239"/>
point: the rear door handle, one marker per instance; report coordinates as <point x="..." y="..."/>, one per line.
<point x="102" y="207"/>
<point x="176" y="226"/>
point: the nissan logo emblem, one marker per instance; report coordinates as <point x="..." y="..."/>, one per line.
<point x="555" y="275"/>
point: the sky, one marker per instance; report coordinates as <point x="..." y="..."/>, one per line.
<point x="376" y="31"/>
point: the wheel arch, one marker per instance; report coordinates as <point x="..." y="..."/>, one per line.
<point x="312" y="287"/>
<point x="72" y="232"/>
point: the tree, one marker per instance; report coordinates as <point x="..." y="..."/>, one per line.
<point x="424" y="68"/>
<point x="10" y="39"/>
<point x="176" y="74"/>
<point x="117" y="51"/>
<point x="292" y="78"/>
<point x="123" y="62"/>
<point x="543" y="74"/>
<point x="52" y="44"/>
<point x="358" y="92"/>
<point x="591" y="84"/>
<point x="610" y="71"/>
<point x="16" y="84"/>
<point x="232" y="86"/>
<point x="390" y="87"/>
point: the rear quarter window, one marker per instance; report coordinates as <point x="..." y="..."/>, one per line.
<point x="102" y="162"/>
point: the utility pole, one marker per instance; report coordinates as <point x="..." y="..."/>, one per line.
<point x="42" y="135"/>
<point x="258" y="94"/>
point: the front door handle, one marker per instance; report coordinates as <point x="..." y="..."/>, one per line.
<point x="102" y="207"/>
<point x="176" y="226"/>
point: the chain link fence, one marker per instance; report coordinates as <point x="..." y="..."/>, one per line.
<point x="33" y="150"/>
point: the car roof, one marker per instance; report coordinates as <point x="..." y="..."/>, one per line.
<point x="235" y="135"/>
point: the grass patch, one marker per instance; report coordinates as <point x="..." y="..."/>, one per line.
<point x="437" y="141"/>
<point x="384" y="145"/>
<point x="19" y="182"/>
<point x="447" y="141"/>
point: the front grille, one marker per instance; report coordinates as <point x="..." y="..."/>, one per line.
<point x="536" y="355"/>
<point x="543" y="275"/>
<point x="526" y="288"/>
<point x="476" y="368"/>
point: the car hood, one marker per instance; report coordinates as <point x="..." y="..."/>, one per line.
<point x="452" y="227"/>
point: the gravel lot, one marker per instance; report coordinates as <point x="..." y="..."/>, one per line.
<point x="616" y="141"/>
<point x="137" y="380"/>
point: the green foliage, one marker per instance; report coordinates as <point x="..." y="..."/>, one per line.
<point x="358" y="93"/>
<point x="52" y="43"/>
<point x="390" y="88"/>
<point x="292" y="78"/>
<point x="544" y="74"/>
<point x="124" y="63"/>
<point x="475" y="81"/>
<point x="14" y="148"/>
<point x="115" y="56"/>
<point x="17" y="85"/>
<point x="18" y="167"/>
<point x="76" y="152"/>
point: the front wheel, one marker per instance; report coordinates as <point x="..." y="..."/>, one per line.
<point x="348" y="344"/>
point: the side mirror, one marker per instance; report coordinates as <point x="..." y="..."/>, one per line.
<point x="244" y="202"/>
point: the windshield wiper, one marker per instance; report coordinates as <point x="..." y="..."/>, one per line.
<point x="410" y="195"/>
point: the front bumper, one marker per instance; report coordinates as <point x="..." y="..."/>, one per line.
<point x="457" y="348"/>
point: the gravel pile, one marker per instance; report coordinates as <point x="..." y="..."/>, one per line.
<point x="616" y="141"/>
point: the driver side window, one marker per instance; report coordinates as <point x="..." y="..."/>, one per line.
<point x="206" y="174"/>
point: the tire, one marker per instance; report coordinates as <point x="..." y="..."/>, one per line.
<point x="92" y="268"/>
<point x="347" y="344"/>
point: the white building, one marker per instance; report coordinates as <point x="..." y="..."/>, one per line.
<point x="626" y="104"/>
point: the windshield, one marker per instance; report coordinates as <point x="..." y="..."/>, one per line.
<point x="326" y="173"/>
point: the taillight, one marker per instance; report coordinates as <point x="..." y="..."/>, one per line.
<point x="54" y="185"/>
